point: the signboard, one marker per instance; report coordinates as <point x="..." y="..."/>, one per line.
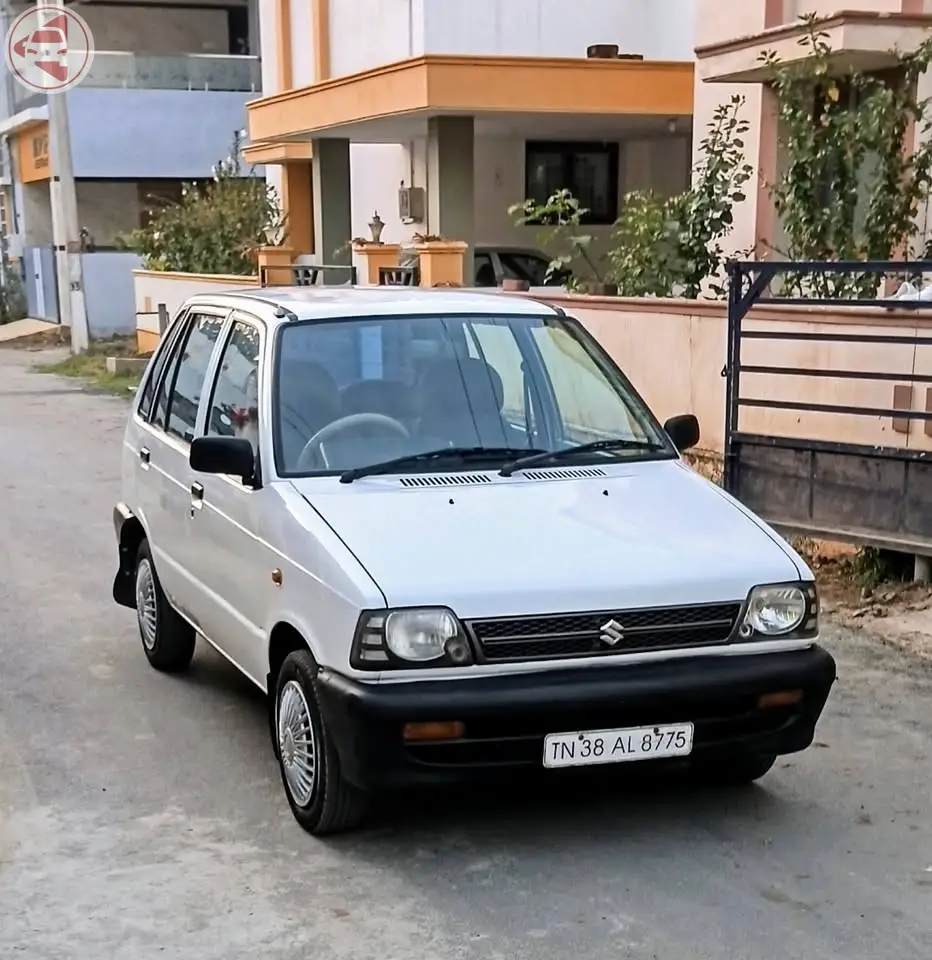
<point x="33" y="154"/>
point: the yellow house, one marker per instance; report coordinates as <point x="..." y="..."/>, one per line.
<point x="439" y="115"/>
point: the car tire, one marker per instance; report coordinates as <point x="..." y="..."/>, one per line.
<point x="168" y="640"/>
<point x="322" y="801"/>
<point x="736" y="771"/>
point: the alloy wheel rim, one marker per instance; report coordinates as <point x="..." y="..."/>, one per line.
<point x="146" y="605"/>
<point x="297" y="743"/>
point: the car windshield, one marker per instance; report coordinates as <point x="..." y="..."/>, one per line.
<point x="354" y="393"/>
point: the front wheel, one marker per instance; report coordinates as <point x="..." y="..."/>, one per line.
<point x="167" y="638"/>
<point x="320" y="799"/>
<point x="736" y="771"/>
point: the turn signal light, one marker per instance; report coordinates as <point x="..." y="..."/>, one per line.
<point x="436" y="730"/>
<point x="782" y="698"/>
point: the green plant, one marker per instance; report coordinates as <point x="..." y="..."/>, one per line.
<point x="872" y="566"/>
<point x="674" y="245"/>
<point x="659" y="246"/>
<point x="849" y="188"/>
<point x="216" y="227"/>
<point x="560" y="219"/>
<point x="13" y="304"/>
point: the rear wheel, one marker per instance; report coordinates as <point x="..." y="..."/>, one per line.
<point x="167" y="638"/>
<point x="736" y="771"/>
<point x="320" y="799"/>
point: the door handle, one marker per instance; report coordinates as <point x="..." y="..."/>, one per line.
<point x="144" y="456"/>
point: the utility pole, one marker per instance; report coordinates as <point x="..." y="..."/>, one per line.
<point x="64" y="202"/>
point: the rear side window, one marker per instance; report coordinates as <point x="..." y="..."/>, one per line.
<point x="164" y="352"/>
<point x="190" y="374"/>
<point x="164" y="388"/>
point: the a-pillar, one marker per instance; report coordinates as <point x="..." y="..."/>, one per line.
<point x="333" y="216"/>
<point x="451" y="188"/>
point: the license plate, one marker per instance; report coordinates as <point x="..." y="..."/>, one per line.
<point x="582" y="749"/>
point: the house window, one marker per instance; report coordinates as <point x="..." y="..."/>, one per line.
<point x="588" y="170"/>
<point x="4" y="213"/>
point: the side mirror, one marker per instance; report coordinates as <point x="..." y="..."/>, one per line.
<point x="683" y="431"/>
<point x="229" y="455"/>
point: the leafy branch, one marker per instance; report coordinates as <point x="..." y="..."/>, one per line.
<point x="560" y="218"/>
<point x="851" y="185"/>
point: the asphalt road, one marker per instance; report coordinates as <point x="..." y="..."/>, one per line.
<point x="141" y="816"/>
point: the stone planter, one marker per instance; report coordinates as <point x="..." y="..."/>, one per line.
<point x="275" y="266"/>
<point x="375" y="256"/>
<point x="441" y="262"/>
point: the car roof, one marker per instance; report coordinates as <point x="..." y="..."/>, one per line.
<point x="323" y="303"/>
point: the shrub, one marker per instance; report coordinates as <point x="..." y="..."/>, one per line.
<point x="215" y="227"/>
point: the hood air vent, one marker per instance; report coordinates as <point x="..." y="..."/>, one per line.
<point x="474" y="479"/>
<point x="446" y="480"/>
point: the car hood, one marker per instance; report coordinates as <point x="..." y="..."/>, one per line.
<point x="646" y="534"/>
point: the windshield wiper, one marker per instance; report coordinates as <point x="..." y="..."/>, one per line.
<point x="615" y="443"/>
<point x="431" y="456"/>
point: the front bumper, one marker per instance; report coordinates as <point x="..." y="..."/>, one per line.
<point x="507" y="717"/>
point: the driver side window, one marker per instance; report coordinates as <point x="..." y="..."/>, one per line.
<point x="234" y="406"/>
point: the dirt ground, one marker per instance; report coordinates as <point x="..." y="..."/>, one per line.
<point x="898" y="613"/>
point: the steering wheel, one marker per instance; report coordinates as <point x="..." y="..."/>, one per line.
<point x="316" y="444"/>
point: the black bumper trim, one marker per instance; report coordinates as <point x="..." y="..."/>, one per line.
<point x="507" y="716"/>
<point x="123" y="587"/>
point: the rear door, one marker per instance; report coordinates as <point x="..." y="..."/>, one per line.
<point x="168" y="437"/>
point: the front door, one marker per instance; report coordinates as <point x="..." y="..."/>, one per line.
<point x="233" y="561"/>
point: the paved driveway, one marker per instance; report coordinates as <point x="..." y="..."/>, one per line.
<point x="141" y="816"/>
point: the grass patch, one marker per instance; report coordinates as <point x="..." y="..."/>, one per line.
<point x="91" y="367"/>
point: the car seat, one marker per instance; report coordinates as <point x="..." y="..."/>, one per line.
<point x="460" y="403"/>
<point x="309" y="400"/>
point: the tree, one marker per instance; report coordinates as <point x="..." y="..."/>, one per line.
<point x="215" y="227"/>
<point x="673" y="246"/>
<point x="850" y="187"/>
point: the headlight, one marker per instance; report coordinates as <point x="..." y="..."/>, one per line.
<point x="781" y="608"/>
<point x="423" y="636"/>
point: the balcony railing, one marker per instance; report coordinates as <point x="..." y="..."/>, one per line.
<point x="194" y="71"/>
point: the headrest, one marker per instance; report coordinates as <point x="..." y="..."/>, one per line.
<point x="458" y="384"/>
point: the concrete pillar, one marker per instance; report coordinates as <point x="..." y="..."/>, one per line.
<point x="451" y="199"/>
<point x="922" y="569"/>
<point x="298" y="205"/>
<point x="333" y="217"/>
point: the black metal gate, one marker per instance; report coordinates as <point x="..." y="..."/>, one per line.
<point x="814" y="485"/>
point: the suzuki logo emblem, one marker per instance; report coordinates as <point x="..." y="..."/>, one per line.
<point x="612" y="633"/>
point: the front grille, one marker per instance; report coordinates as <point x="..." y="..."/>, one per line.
<point x="581" y="634"/>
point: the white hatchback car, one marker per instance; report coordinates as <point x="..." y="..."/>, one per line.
<point x="446" y="536"/>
